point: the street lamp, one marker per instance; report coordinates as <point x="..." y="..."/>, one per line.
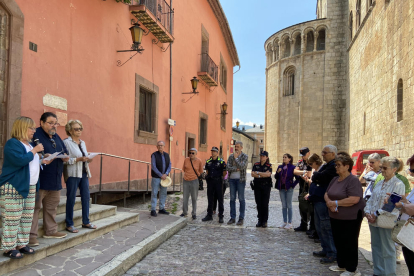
<point x="194" y="82"/>
<point x="136" y="33"/>
<point x="224" y="108"/>
<point x="237" y="124"/>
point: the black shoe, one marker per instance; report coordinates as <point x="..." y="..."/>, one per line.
<point x="328" y="260"/>
<point x="221" y="220"/>
<point x="183" y="216"/>
<point x="300" y="229"/>
<point x="240" y="222"/>
<point x="310" y="232"/>
<point x="153" y="213"/>
<point x="319" y="254"/>
<point x="317" y="241"/>
<point x="231" y="221"/>
<point x="207" y="218"/>
<point x="163" y="212"/>
<point x="194" y="217"/>
<point x="313" y="236"/>
<point x="259" y="224"/>
<point x="264" y="225"/>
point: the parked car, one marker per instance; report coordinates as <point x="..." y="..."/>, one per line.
<point x="360" y="158"/>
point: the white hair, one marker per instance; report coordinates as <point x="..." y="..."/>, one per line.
<point x="374" y="156"/>
<point x="332" y="149"/>
<point x="160" y="142"/>
<point x="394" y="162"/>
<point x="239" y="143"/>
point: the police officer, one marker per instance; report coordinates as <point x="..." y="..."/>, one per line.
<point x="215" y="171"/>
<point x="262" y="173"/>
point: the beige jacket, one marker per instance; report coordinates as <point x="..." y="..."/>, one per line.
<point x="73" y="168"/>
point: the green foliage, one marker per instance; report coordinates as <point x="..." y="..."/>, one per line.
<point x="125" y="1"/>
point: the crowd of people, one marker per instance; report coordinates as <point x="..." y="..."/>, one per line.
<point x="332" y="201"/>
<point x="30" y="181"/>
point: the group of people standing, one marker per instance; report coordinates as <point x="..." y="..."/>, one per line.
<point x="29" y="181"/>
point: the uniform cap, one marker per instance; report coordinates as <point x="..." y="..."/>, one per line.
<point x="303" y="151"/>
<point x="264" y="153"/>
<point x="214" y="149"/>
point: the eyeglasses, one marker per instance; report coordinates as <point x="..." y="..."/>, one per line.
<point x="78" y="129"/>
<point x="410" y="170"/>
<point x="53" y="143"/>
<point x="326" y="152"/>
<point x="383" y="168"/>
<point x="160" y="145"/>
<point x="338" y="165"/>
<point x="32" y="128"/>
<point x="192" y="153"/>
<point x="53" y="124"/>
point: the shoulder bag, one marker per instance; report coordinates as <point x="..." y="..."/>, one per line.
<point x="388" y="220"/>
<point x="200" y="178"/>
<point x="397" y="229"/>
<point x="406" y="234"/>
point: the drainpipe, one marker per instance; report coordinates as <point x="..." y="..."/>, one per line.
<point x="171" y="15"/>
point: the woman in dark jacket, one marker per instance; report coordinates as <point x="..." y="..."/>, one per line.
<point x="285" y="184"/>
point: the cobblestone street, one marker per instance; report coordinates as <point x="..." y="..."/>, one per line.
<point x="214" y="249"/>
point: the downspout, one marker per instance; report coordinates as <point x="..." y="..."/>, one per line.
<point x="171" y="26"/>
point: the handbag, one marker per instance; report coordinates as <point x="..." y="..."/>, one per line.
<point x="396" y="230"/>
<point x="406" y="234"/>
<point x="252" y="185"/>
<point x="387" y="220"/>
<point x="200" y="178"/>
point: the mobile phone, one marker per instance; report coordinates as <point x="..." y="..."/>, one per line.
<point x="394" y="198"/>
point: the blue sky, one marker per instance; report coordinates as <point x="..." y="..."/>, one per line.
<point x="251" y="23"/>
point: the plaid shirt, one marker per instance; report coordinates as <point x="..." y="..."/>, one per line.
<point x="240" y="163"/>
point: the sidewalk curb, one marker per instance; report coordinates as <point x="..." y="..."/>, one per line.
<point x="123" y="262"/>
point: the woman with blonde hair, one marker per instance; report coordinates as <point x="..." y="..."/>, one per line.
<point x="18" y="184"/>
<point x="76" y="174"/>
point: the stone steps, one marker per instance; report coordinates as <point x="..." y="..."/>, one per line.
<point x="49" y="247"/>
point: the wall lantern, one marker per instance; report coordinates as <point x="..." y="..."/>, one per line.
<point x="194" y="82"/>
<point x="136" y="33"/>
<point x="223" y="109"/>
<point x="237" y="124"/>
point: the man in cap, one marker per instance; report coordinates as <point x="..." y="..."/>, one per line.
<point x="303" y="170"/>
<point x="160" y="168"/>
<point x="215" y="171"/>
<point x="192" y="169"/>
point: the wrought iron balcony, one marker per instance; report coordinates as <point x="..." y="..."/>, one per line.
<point x="209" y="70"/>
<point x="156" y="16"/>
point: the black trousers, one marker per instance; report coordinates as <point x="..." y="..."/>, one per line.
<point x="345" y="235"/>
<point x="262" y="197"/>
<point x="215" y="191"/>
<point x="216" y="199"/>
<point x="312" y="217"/>
<point x="304" y="213"/>
<point x="409" y="259"/>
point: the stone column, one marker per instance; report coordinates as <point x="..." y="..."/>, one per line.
<point x="315" y="40"/>
<point x="292" y="46"/>
<point x="304" y="41"/>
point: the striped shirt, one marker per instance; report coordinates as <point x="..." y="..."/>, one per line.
<point x="379" y="193"/>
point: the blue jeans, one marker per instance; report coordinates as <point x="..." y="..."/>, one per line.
<point x="155" y="187"/>
<point x="72" y="185"/>
<point x="286" y="198"/>
<point x="383" y="251"/>
<point x="323" y="228"/>
<point x="237" y="187"/>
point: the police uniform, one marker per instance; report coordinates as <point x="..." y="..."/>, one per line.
<point x="262" y="187"/>
<point x="305" y="210"/>
<point x="215" y="170"/>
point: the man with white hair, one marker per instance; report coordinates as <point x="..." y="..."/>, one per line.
<point x="192" y="169"/>
<point x="317" y="190"/>
<point x="236" y="166"/>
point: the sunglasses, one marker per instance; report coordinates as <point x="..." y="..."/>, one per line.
<point x="53" y="143"/>
<point x="411" y="170"/>
<point x="78" y="129"/>
<point x="383" y="168"/>
<point x="192" y="153"/>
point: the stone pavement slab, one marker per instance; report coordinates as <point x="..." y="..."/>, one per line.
<point x="86" y="257"/>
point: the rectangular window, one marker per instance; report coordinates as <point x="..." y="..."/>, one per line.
<point x="223" y="121"/>
<point x="223" y="75"/>
<point x="146" y="113"/>
<point x="203" y="131"/>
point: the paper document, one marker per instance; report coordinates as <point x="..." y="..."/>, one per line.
<point x="93" y="154"/>
<point x="62" y="156"/>
<point x="52" y="156"/>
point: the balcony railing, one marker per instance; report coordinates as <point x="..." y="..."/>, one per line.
<point x="209" y="70"/>
<point x="156" y="16"/>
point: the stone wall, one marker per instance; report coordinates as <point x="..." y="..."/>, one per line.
<point x="381" y="54"/>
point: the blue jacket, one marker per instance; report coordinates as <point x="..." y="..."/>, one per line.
<point x="50" y="177"/>
<point x="16" y="167"/>
<point x="289" y="178"/>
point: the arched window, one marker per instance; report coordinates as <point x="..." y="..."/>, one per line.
<point x="358" y="13"/>
<point x="310" y="42"/>
<point x="276" y="47"/>
<point x="400" y="100"/>
<point x="369" y="4"/>
<point x="269" y="54"/>
<point x="298" y="45"/>
<point x="286" y="52"/>
<point x="289" y="81"/>
<point x="351" y="23"/>
<point x="320" y="45"/>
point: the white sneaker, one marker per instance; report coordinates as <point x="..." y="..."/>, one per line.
<point x="282" y="225"/>
<point x="288" y="226"/>
<point x="347" y="273"/>
<point x="336" y="268"/>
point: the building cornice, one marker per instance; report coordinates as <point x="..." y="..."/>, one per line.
<point x="225" y="29"/>
<point x="243" y="133"/>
